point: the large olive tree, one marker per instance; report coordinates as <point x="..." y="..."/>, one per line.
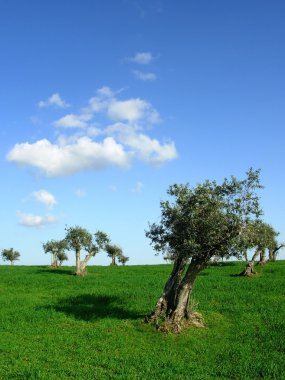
<point x="200" y="223"/>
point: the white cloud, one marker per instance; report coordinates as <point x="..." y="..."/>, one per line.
<point x="59" y="160"/>
<point x="138" y="187"/>
<point x="53" y="100"/>
<point x="150" y="150"/>
<point x="89" y="148"/>
<point x="143" y="58"/>
<point x="132" y="110"/>
<point x="44" y="197"/>
<point x="144" y="76"/>
<point x="105" y="91"/>
<point x="142" y="146"/>
<point x="113" y="188"/>
<point x="73" y="121"/>
<point x="30" y="220"/>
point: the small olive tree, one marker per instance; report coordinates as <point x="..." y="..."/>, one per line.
<point x="114" y="251"/>
<point x="10" y="255"/>
<point x="62" y="256"/>
<point x="259" y="237"/>
<point x="202" y="222"/>
<point x="57" y="250"/>
<point x="78" y="238"/>
<point x="123" y="259"/>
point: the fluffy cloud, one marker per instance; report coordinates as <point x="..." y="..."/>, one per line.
<point x="132" y="110"/>
<point x="94" y="146"/>
<point x="44" y="197"/>
<point x="144" y="76"/>
<point x="30" y="220"/>
<point x="53" y="100"/>
<point x="73" y="121"/>
<point x="143" y="58"/>
<point x="59" y="160"/>
<point x="145" y="148"/>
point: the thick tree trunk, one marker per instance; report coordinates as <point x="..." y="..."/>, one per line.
<point x="181" y="313"/>
<point x="113" y="260"/>
<point x="84" y="263"/>
<point x="249" y="268"/>
<point x="167" y="299"/>
<point x="172" y="307"/>
<point x="262" y="261"/>
<point x="77" y="262"/>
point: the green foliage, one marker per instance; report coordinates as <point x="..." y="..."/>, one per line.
<point x="123" y="259"/>
<point x="62" y="257"/>
<point x="113" y="250"/>
<point x="78" y="238"/>
<point x="205" y="221"/>
<point x="57" y="249"/>
<point x="57" y="326"/>
<point x="10" y="255"/>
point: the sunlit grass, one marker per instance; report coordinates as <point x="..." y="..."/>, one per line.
<point x="54" y="325"/>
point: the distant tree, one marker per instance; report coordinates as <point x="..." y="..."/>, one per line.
<point x="10" y="255"/>
<point x="62" y="256"/>
<point x="78" y="238"/>
<point x="57" y="249"/>
<point x="274" y="248"/>
<point x="123" y="259"/>
<point x="114" y="251"/>
<point x="201" y="223"/>
<point x="257" y="236"/>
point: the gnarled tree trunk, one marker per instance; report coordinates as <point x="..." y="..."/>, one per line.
<point x="249" y="268"/>
<point x="84" y="263"/>
<point x="172" y="309"/>
<point x="113" y="260"/>
<point x="273" y="252"/>
<point x="262" y="260"/>
<point x="166" y="301"/>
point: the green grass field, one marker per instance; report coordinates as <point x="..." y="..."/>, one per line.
<point x="56" y="326"/>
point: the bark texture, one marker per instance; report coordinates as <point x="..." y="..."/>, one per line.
<point x="249" y="268"/>
<point x="262" y="260"/>
<point x="77" y="262"/>
<point x="172" y="311"/>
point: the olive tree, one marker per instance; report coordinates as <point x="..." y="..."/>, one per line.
<point x="78" y="238"/>
<point x="62" y="256"/>
<point x="10" y="255"/>
<point x="201" y="222"/>
<point x="113" y="251"/>
<point x="57" y="249"/>
<point x="123" y="259"/>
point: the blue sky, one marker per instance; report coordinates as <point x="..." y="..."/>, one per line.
<point x="104" y="104"/>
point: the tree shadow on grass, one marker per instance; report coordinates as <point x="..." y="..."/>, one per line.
<point x="57" y="271"/>
<point x="92" y="307"/>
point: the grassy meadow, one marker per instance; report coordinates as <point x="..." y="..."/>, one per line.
<point x="57" y="326"/>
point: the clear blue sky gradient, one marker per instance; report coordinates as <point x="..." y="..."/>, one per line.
<point x="215" y="76"/>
